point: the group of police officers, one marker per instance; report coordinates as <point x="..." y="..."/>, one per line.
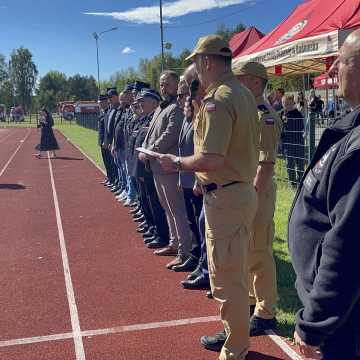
<point x="234" y="142"/>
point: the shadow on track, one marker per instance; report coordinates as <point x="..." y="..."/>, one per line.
<point x="12" y="187"/>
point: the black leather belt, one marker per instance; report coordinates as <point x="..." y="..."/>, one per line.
<point x="213" y="187"/>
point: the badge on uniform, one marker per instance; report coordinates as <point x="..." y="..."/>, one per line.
<point x="270" y="121"/>
<point x="210" y="107"/>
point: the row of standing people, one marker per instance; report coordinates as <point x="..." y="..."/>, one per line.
<point x="217" y="221"/>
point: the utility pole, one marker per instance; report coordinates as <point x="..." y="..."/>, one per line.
<point x="162" y="38"/>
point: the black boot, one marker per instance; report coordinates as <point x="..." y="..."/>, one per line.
<point x="214" y="343"/>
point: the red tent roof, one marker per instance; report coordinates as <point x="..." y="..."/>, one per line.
<point x="244" y="39"/>
<point x="325" y="82"/>
<point x="313" y="17"/>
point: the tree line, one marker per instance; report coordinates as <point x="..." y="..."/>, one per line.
<point x="19" y="83"/>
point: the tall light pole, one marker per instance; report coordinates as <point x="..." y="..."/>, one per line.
<point x="96" y="37"/>
<point x="162" y="38"/>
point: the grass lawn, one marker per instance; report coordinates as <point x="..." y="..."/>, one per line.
<point x="288" y="303"/>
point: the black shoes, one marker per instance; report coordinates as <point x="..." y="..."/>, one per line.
<point x="209" y="294"/>
<point x="189" y="264"/>
<point x="140" y="219"/>
<point x="199" y="283"/>
<point x="196" y="273"/>
<point x="259" y="325"/>
<point x="214" y="343"/>
<point x="157" y="243"/>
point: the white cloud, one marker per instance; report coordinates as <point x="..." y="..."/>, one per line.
<point x="151" y="14"/>
<point x="127" y="50"/>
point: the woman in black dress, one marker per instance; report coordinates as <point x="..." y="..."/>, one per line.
<point x="48" y="141"/>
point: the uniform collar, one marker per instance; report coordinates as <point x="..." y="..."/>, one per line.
<point x="213" y="87"/>
<point x="348" y="122"/>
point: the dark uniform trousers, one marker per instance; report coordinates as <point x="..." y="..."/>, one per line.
<point x="111" y="171"/>
<point x="193" y="205"/>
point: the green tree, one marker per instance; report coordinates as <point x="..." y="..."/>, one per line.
<point x="120" y="78"/>
<point x="82" y="88"/>
<point x="227" y="33"/>
<point x="53" y="88"/>
<point x="23" y="74"/>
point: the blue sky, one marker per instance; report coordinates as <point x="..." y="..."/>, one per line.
<point x="58" y="33"/>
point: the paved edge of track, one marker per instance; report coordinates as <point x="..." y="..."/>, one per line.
<point x="278" y="340"/>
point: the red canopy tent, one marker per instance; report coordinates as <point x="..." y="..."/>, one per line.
<point x="244" y="39"/>
<point x="324" y="81"/>
<point x="304" y="42"/>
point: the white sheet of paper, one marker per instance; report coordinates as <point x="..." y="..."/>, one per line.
<point x="147" y="152"/>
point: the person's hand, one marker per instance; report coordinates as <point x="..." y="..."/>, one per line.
<point x="187" y="108"/>
<point x="197" y="190"/>
<point x="142" y="157"/>
<point x="167" y="162"/>
<point x="310" y="352"/>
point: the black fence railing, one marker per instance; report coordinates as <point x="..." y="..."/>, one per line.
<point x="87" y="120"/>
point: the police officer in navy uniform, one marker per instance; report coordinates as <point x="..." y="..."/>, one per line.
<point x="109" y="121"/>
<point x="104" y="105"/>
<point x="323" y="229"/>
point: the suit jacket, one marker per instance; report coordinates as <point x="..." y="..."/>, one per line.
<point x="109" y="125"/>
<point x="101" y="128"/>
<point x="119" y="129"/>
<point x="164" y="130"/>
<point x="186" y="148"/>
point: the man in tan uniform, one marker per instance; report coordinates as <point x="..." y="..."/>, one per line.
<point x="226" y="141"/>
<point x="262" y="269"/>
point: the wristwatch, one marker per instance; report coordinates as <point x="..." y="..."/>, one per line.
<point x="177" y="163"/>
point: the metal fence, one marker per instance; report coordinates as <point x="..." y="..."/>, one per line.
<point x="298" y="143"/>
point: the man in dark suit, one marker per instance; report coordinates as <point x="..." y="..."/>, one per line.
<point x="104" y="105"/>
<point x="109" y="121"/>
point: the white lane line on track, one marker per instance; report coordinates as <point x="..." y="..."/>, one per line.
<point x="115" y="330"/>
<point x="14" y="153"/>
<point x="277" y="339"/>
<point x="292" y="354"/>
<point x="75" y="323"/>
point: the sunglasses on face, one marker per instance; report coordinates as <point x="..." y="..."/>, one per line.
<point x="181" y="96"/>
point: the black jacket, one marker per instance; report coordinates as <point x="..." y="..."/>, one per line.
<point x="323" y="235"/>
<point x="119" y="128"/>
<point x="101" y="127"/>
<point x="109" y="125"/>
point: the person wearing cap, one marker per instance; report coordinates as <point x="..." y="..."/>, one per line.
<point x="262" y="268"/>
<point x="155" y="223"/>
<point x="104" y="105"/>
<point x="163" y="137"/>
<point x="226" y="140"/>
<point x="113" y="98"/>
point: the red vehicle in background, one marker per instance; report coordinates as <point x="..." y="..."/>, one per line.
<point x="66" y="109"/>
<point x="17" y="114"/>
<point x="87" y="107"/>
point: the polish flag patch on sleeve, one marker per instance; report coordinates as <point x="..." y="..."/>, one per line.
<point x="210" y="107"/>
<point x="270" y="121"/>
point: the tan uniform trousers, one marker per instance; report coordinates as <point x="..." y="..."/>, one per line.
<point x="229" y="214"/>
<point x="173" y="203"/>
<point x="262" y="268"/>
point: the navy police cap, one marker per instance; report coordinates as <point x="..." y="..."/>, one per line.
<point x="103" y="97"/>
<point x="149" y="93"/>
<point x="139" y="85"/>
<point x="112" y="92"/>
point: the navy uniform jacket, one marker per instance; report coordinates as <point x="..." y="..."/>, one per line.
<point x="139" y="133"/>
<point x="119" y="129"/>
<point x="324" y="237"/>
<point x="109" y="125"/>
<point x="101" y="127"/>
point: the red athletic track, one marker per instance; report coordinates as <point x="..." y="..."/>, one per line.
<point x="116" y="280"/>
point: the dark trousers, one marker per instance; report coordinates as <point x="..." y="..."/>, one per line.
<point x="158" y="213"/>
<point x="109" y="164"/>
<point x="144" y="202"/>
<point x="193" y="206"/>
<point x="203" y="263"/>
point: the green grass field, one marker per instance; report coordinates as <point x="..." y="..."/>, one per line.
<point x="288" y="302"/>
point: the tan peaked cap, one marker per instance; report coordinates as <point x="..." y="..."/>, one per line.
<point x="251" y="68"/>
<point x="211" y="45"/>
